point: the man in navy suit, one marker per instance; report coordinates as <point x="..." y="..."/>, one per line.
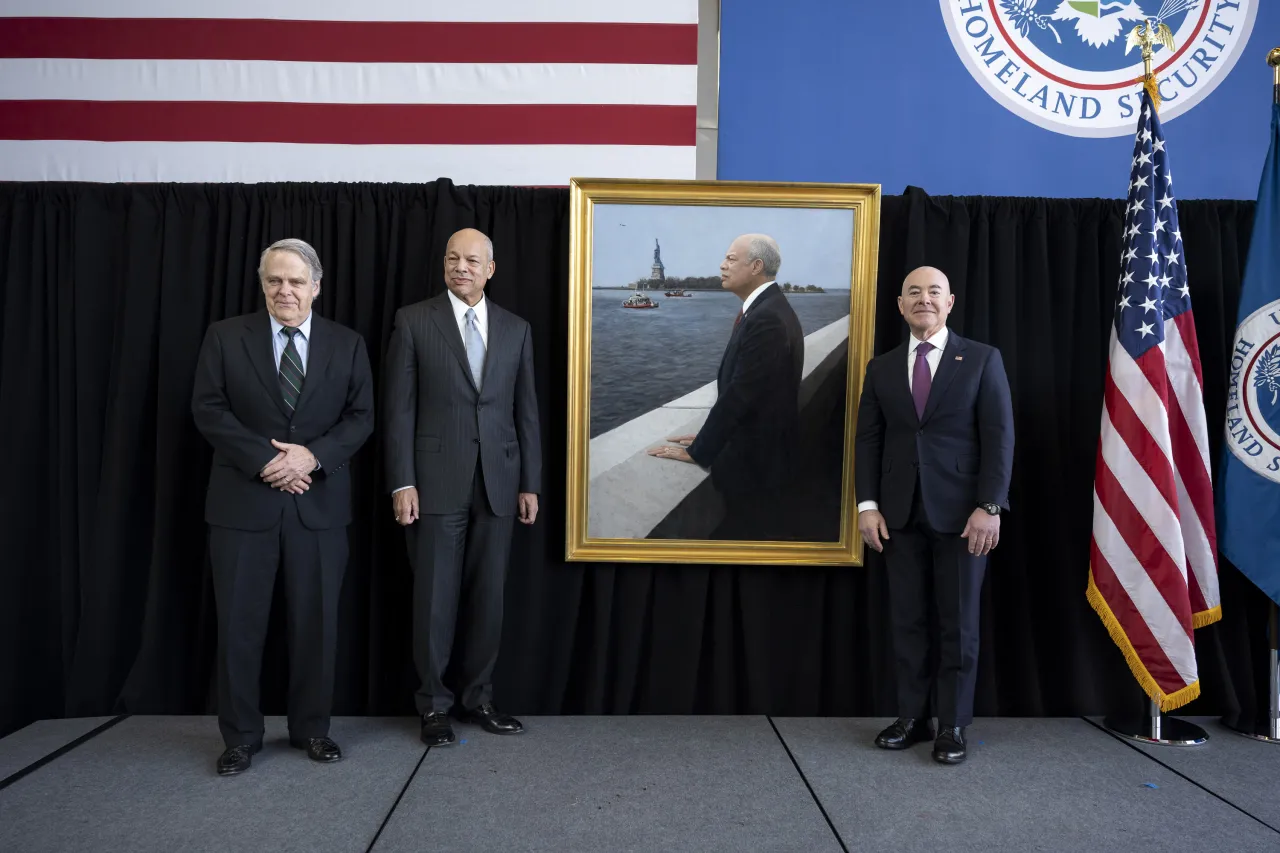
<point x="933" y="460"/>
<point x="748" y="439"/>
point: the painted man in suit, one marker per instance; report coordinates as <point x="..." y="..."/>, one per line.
<point x="934" y="458"/>
<point x="748" y="439"/>
<point x="463" y="459"/>
<point x="286" y="399"/>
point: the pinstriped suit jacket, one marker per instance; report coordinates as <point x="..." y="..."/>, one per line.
<point x="437" y="423"/>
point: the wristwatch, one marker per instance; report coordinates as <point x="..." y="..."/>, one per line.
<point x="990" y="509"/>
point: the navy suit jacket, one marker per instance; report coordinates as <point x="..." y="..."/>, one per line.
<point x="960" y="451"/>
<point x="238" y="408"/>
<point x="748" y="439"/>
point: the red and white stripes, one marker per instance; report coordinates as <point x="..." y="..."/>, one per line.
<point x="1154" y="560"/>
<point x="490" y="91"/>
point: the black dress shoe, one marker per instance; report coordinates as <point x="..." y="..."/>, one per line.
<point x="904" y="732"/>
<point x="436" y="729"/>
<point x="949" y="747"/>
<point x="236" y="759"/>
<point x="320" y="749"/>
<point x="492" y="720"/>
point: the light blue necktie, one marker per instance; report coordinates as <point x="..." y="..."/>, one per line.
<point x="475" y="347"/>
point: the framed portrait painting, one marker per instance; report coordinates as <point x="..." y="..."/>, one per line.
<point x="718" y="335"/>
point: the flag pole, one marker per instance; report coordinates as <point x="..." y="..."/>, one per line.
<point x="1155" y="728"/>
<point x="1269" y="731"/>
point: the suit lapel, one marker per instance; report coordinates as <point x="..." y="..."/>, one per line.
<point x="947" y="368"/>
<point x="447" y="324"/>
<point x="899" y="387"/>
<point x="319" y="350"/>
<point x="498" y="337"/>
<point x="257" y="344"/>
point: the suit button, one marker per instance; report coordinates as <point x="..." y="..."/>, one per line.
<point x="921" y="432"/>
<point x="476" y="440"/>
<point x="292" y="428"/>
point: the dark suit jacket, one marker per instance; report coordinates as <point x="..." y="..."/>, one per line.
<point x="748" y="439"/>
<point x="961" y="449"/>
<point x="237" y="406"/>
<point x="437" y="422"/>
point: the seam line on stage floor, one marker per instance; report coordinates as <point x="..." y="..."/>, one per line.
<point x="396" y="804"/>
<point x="805" y="779"/>
<point x="1179" y="773"/>
<point x="59" y="752"/>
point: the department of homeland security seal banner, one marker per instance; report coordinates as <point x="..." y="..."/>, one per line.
<point x="1253" y="393"/>
<point x="1067" y="65"/>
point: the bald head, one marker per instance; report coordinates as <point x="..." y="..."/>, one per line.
<point x="926" y="301"/>
<point x="468" y="264"/>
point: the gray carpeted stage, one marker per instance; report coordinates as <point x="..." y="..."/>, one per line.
<point x="633" y="784"/>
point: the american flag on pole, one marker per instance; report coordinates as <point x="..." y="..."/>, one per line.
<point x="509" y="92"/>
<point x="1154" y="572"/>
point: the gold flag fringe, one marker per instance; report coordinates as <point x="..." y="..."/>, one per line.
<point x="1206" y="617"/>
<point x="1166" y="701"/>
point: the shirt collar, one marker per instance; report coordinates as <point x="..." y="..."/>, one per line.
<point x="938" y="339"/>
<point x="755" y="294"/>
<point x="460" y="307"/>
<point x="305" y="326"/>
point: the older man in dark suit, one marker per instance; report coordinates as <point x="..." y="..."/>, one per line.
<point x="463" y="459"/>
<point x="934" y="455"/>
<point x="748" y="439"/>
<point x="286" y="399"/>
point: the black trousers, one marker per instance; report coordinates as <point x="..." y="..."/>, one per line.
<point x="244" y="573"/>
<point x="459" y="569"/>
<point x="926" y="568"/>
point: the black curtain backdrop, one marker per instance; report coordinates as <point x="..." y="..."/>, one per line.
<point x="105" y="597"/>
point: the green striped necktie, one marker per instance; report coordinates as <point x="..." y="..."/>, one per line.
<point x="291" y="373"/>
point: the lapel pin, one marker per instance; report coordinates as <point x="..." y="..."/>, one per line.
<point x="959" y="358"/>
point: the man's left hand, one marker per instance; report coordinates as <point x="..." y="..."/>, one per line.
<point x="284" y="471"/>
<point x="528" y="507"/>
<point x="982" y="531"/>
<point x="668" y="452"/>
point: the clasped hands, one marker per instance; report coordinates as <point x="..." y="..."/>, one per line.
<point x="290" y="470"/>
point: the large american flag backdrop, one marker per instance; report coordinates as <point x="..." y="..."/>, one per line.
<point x="479" y="91"/>
<point x="1154" y="571"/>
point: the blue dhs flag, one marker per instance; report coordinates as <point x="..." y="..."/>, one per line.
<point x="1249" y="485"/>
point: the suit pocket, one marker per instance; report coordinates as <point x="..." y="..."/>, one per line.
<point x="426" y="443"/>
<point x="967" y="464"/>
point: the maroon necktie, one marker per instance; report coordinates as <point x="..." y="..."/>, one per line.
<point x="921" y="379"/>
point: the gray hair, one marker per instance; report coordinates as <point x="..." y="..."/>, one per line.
<point x="764" y="248"/>
<point x="301" y="248"/>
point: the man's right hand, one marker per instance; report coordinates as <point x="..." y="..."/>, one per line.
<point x="405" y="503"/>
<point x="872" y="527"/>
<point x="296" y="487"/>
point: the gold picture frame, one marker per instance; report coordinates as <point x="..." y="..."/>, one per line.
<point x="615" y="487"/>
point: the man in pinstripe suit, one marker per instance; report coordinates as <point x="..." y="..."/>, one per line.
<point x="463" y="459"/>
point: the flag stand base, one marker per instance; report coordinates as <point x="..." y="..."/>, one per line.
<point x="1263" y="732"/>
<point x="1156" y="729"/>
<point x="1269" y="731"/>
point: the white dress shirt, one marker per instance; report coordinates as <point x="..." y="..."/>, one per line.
<point x="482" y="317"/>
<point x="933" y="359"/>
<point x="301" y="342"/>
<point x="755" y="294"/>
